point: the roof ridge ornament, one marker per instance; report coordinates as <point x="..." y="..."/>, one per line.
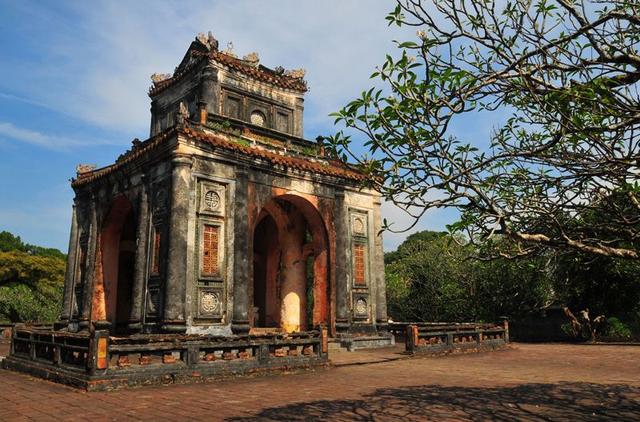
<point x="229" y="50"/>
<point x="252" y="59"/>
<point x="85" y="168"/>
<point x="208" y="40"/>
<point x="295" y="73"/>
<point x="159" y="77"/>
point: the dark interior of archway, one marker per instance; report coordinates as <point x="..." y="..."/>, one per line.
<point x="266" y="260"/>
<point x="272" y="275"/>
<point x="126" y="259"/>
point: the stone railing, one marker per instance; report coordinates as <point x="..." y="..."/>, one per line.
<point x="47" y="347"/>
<point x="439" y="338"/>
<point x="98" y="361"/>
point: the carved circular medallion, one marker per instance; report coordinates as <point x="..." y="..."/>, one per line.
<point x="210" y="303"/>
<point x="358" y="226"/>
<point x="212" y="200"/>
<point x="361" y="306"/>
<point x="258" y="118"/>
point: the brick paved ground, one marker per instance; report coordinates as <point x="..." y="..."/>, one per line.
<point x="528" y="382"/>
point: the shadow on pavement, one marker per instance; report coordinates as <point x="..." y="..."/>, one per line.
<point x="564" y="401"/>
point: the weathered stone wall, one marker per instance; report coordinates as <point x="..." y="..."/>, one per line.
<point x="220" y="91"/>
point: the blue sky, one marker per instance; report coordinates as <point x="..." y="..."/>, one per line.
<point x="74" y="77"/>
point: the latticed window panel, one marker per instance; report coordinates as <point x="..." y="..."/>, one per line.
<point x="359" y="276"/>
<point x="210" y="238"/>
<point x="155" y="257"/>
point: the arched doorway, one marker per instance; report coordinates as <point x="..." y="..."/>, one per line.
<point x="290" y="266"/>
<point x="118" y="246"/>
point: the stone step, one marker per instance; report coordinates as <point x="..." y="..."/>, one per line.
<point x="351" y="343"/>
<point x="266" y="330"/>
<point x="335" y="345"/>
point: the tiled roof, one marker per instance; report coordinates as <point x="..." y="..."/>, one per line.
<point x="259" y="72"/>
<point x="126" y="158"/>
<point x="334" y="168"/>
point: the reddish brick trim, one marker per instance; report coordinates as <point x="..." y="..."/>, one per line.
<point x="359" y="262"/>
<point x="210" y="239"/>
<point x="260" y="73"/>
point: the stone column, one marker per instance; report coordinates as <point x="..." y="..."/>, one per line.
<point x="208" y="93"/>
<point x="89" y="273"/>
<point x="140" y="269"/>
<point x="70" y="273"/>
<point x="377" y="267"/>
<point x="175" y="285"/>
<point x="340" y="218"/>
<point x="153" y="127"/>
<point x="298" y="116"/>
<point x="240" y="322"/>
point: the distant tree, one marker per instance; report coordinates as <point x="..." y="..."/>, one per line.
<point x="407" y="247"/>
<point x="31" y="280"/>
<point x="434" y="278"/>
<point x="566" y="73"/>
<point x="9" y="242"/>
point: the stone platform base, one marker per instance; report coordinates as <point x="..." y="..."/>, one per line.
<point x="157" y="374"/>
<point x="355" y="342"/>
<point x="97" y="361"/>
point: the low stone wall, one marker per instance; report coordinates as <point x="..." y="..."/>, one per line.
<point x="435" y="339"/>
<point x="5" y="332"/>
<point x="98" y="361"/>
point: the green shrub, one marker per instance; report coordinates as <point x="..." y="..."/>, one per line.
<point x="30" y="287"/>
<point x="617" y="328"/>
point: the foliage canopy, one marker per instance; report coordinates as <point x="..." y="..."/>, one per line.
<point x="31" y="281"/>
<point x="566" y="76"/>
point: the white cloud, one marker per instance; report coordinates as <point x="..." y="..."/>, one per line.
<point x="93" y="61"/>
<point x="43" y="140"/>
<point x="98" y="68"/>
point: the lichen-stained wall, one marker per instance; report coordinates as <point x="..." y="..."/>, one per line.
<point x="366" y="274"/>
<point x="210" y="298"/>
<point x="225" y="152"/>
<point x="205" y="283"/>
<point x="212" y="206"/>
<point x="218" y="83"/>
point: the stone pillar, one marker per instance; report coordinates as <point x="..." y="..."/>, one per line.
<point x="341" y="217"/>
<point x="175" y="285"/>
<point x="208" y="102"/>
<point x="89" y="273"/>
<point x="70" y="273"/>
<point x="298" y="116"/>
<point x="153" y="127"/>
<point x="240" y="322"/>
<point x="377" y="267"/>
<point x="140" y="269"/>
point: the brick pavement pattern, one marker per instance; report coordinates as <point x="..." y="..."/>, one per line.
<point x="525" y="382"/>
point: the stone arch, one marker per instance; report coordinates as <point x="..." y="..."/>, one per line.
<point x="290" y="248"/>
<point x="116" y="261"/>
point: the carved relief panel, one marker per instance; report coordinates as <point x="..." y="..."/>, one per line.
<point x="232" y="106"/>
<point x="212" y="199"/>
<point x="283" y="121"/>
<point x="359" y="230"/>
<point x="210" y="259"/>
<point x="210" y="303"/>
<point x="359" y="249"/>
<point x="361" y="307"/>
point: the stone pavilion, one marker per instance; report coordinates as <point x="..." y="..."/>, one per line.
<point x="225" y="221"/>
